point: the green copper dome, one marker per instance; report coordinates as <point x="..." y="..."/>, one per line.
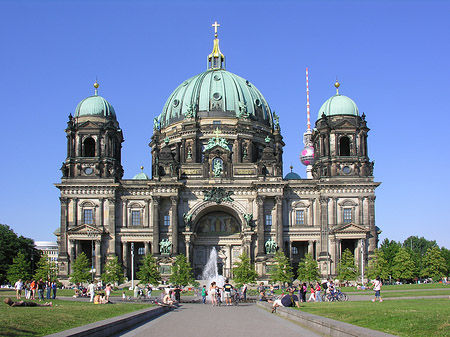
<point x="216" y="93"/>
<point x="339" y="105"/>
<point x="292" y="176"/>
<point x="141" y="176"/>
<point x="95" y="106"/>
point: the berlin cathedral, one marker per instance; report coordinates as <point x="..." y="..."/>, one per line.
<point x="217" y="182"/>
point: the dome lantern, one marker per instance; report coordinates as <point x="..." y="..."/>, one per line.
<point x="216" y="58"/>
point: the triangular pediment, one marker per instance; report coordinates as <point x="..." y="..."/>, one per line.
<point x="89" y="125"/>
<point x="84" y="229"/>
<point x="350" y="227"/>
<point x="345" y="124"/>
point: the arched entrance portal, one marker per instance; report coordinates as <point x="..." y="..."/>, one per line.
<point x="221" y="229"/>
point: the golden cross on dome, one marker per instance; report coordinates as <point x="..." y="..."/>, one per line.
<point x="215" y="25"/>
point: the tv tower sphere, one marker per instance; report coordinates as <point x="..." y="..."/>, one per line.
<point x="307" y="156"/>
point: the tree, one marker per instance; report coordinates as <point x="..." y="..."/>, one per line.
<point x="148" y="271"/>
<point x="181" y="271"/>
<point x="113" y="272"/>
<point x="378" y="266"/>
<point x="244" y="272"/>
<point x="417" y="248"/>
<point x="389" y="249"/>
<point x="81" y="269"/>
<point x="20" y="269"/>
<point x="308" y="269"/>
<point x="46" y="269"/>
<point x="403" y="266"/>
<point x="346" y="268"/>
<point x="281" y="271"/>
<point x="434" y="264"/>
<point x="10" y="245"/>
<point x="446" y="255"/>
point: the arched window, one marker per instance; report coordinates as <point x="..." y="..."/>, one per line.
<point x="344" y="146"/>
<point x="89" y="147"/>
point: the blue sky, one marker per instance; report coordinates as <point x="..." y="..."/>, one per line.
<point x="391" y="57"/>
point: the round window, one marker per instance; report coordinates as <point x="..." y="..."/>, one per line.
<point x="216" y="77"/>
<point x="176" y="102"/>
<point x="217" y="96"/>
<point x="346" y="169"/>
<point x="88" y="170"/>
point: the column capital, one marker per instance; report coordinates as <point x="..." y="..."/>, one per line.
<point x="174" y="200"/>
<point x="64" y="200"/>
<point x="323" y="200"/>
<point x="278" y="199"/>
<point x="156" y="200"/>
<point x="260" y="199"/>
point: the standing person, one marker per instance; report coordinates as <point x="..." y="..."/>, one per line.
<point x="149" y="291"/>
<point x="91" y="290"/>
<point x="212" y="293"/>
<point x="54" y="288"/>
<point x="312" y="297"/>
<point x="33" y="287"/>
<point x="18" y="286"/>
<point x="40" y="288"/>
<point x="377" y="288"/>
<point x="26" y="287"/>
<point x="48" y="288"/>
<point x="177" y="293"/>
<point x="304" y="291"/>
<point x="272" y="290"/>
<point x="108" y="290"/>
<point x="204" y="294"/>
<point x="244" y="291"/>
<point x="227" y="287"/>
<point x="318" y="289"/>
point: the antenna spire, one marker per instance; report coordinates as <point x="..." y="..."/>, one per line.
<point x="308" y="115"/>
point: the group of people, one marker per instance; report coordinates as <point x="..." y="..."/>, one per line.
<point x="215" y="292"/>
<point x="33" y="288"/>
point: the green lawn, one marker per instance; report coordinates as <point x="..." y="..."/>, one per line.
<point x="405" y="293"/>
<point x="41" y="321"/>
<point x="401" y="287"/>
<point x="419" y="317"/>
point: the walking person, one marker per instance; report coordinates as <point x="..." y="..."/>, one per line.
<point x="108" y="290"/>
<point x="54" y="288"/>
<point x="48" y="288"/>
<point x="212" y="293"/>
<point x="244" y="291"/>
<point x="318" y="289"/>
<point x="18" y="286"/>
<point x="312" y="297"/>
<point x="377" y="288"/>
<point x="33" y="287"/>
<point x="91" y="290"/>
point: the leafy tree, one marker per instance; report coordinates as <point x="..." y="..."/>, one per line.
<point x="10" y="245"/>
<point x="46" y="269"/>
<point x="244" y="272"/>
<point x="282" y="270"/>
<point x="389" y="249"/>
<point x="434" y="264"/>
<point x="20" y="269"/>
<point x="403" y="265"/>
<point x="346" y="268"/>
<point x="377" y="266"/>
<point x="113" y="272"/>
<point x="181" y="271"/>
<point x="446" y="255"/>
<point x="148" y="271"/>
<point x="308" y="269"/>
<point x="417" y="248"/>
<point x="81" y="269"/>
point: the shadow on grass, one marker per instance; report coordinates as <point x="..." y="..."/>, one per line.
<point x="13" y="332"/>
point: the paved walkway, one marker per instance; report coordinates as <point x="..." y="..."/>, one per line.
<point x="202" y="320"/>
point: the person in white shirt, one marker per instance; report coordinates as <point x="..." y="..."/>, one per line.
<point x="377" y="287"/>
<point x="18" y="286"/>
<point x="91" y="290"/>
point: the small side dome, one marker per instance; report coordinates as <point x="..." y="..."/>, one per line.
<point x="95" y="106"/>
<point x="292" y="175"/>
<point x="141" y="176"/>
<point x="338" y="105"/>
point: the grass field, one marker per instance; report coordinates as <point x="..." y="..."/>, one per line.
<point x="41" y="321"/>
<point x="415" y="317"/>
<point x="385" y="294"/>
<point x="402" y="287"/>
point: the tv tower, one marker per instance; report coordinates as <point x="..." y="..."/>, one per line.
<point x="307" y="154"/>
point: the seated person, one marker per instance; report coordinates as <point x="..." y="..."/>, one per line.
<point x="11" y="303"/>
<point x="97" y="299"/>
<point x="288" y="300"/>
<point x="167" y="300"/>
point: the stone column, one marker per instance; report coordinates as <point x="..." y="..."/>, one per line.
<point x="187" y="240"/>
<point x="79" y="154"/>
<point x="333" y="262"/>
<point x="98" y="258"/>
<point x="311" y="248"/>
<point x="62" y="248"/>
<point x="279" y="222"/>
<point x="124" y="213"/>
<point x="373" y="236"/>
<point x="147" y="247"/>
<point x="112" y="226"/>
<point x="323" y="224"/>
<point x="359" y="211"/>
<point x="147" y="213"/>
<point x="125" y="250"/>
<point x="73" y="254"/>
<point x="174" y="225"/>
<point x="228" y="262"/>
<point x="155" y="224"/>
<point x="260" y="225"/>
<point x="74" y="212"/>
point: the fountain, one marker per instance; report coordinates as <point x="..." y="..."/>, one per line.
<point x="210" y="272"/>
